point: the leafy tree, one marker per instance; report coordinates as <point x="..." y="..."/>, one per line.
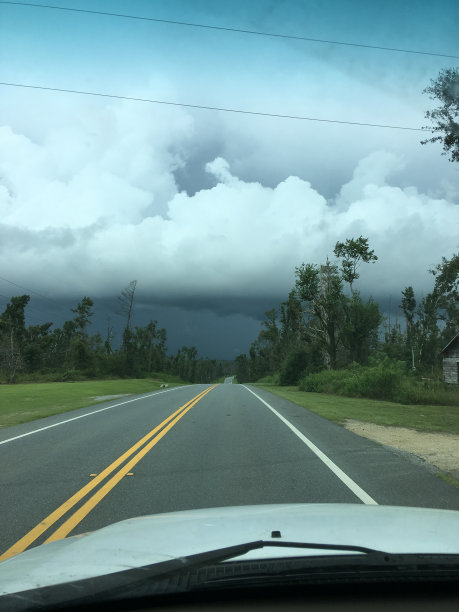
<point x="360" y="327"/>
<point x="321" y="288"/>
<point x="352" y="252"/>
<point x="12" y="335"/>
<point x="83" y="314"/>
<point x="242" y="369"/>
<point x="446" y="292"/>
<point x="291" y="324"/>
<point x="432" y="321"/>
<point x="445" y="118"/>
<point x="37" y="346"/>
<point x="394" y="345"/>
<point x="81" y="354"/>
<point x="294" y="366"/>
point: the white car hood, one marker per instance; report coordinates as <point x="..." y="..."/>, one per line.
<point x="151" y="539"/>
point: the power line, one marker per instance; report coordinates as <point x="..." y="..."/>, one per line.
<point x="38" y="316"/>
<point x="228" y="29"/>
<point x="34" y="292"/>
<point x="213" y="108"/>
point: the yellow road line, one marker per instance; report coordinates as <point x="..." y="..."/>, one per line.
<point x="82" y="512"/>
<point x="46" y="523"/>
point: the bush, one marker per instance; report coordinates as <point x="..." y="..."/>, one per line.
<point x="384" y="379"/>
<point x="327" y="381"/>
<point x="293" y="367"/>
<point x="269" y="379"/>
<point x="71" y="376"/>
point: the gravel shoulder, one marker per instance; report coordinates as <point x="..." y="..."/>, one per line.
<point x="439" y="449"/>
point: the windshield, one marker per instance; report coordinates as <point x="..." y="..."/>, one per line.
<point x="229" y="270"/>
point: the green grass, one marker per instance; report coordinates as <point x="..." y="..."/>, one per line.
<point x="26" y="402"/>
<point x="337" y="408"/>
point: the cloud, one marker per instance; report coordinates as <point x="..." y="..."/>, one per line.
<point x="94" y="204"/>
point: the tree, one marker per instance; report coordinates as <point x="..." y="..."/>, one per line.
<point x="126" y="300"/>
<point x="335" y="321"/>
<point x="432" y="321"/>
<point x="360" y="329"/>
<point x="37" y="346"/>
<point x="83" y="314"/>
<point x="408" y="305"/>
<point x="12" y="335"/>
<point x="353" y="252"/>
<point x="291" y="324"/>
<point x="82" y="356"/>
<point x="150" y="347"/>
<point x="445" y="118"/>
<point x="242" y="369"/>
<point x="321" y="288"/>
<point x="294" y="366"/>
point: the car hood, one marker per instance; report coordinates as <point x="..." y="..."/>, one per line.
<point x="156" y="538"/>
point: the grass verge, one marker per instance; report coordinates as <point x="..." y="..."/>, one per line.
<point x="338" y="408"/>
<point x="26" y="402"/>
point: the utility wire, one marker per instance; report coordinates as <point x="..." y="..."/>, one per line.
<point x="214" y="108"/>
<point x="34" y="292"/>
<point x="38" y="316"/>
<point x="228" y="29"/>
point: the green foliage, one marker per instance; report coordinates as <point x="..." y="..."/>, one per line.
<point x="69" y="353"/>
<point x="339" y="409"/>
<point x="242" y="369"/>
<point x="352" y="252"/>
<point x="445" y="118"/>
<point x="270" y="379"/>
<point x="383" y="379"/>
<point x="359" y="334"/>
<point x="294" y="367"/>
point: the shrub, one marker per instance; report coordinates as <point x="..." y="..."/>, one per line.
<point x="384" y="379"/>
<point x="269" y="379"/>
<point x="293" y="367"/>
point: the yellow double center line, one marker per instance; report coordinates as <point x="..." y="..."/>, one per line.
<point x="153" y="437"/>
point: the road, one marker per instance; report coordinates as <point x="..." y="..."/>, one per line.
<point x="191" y="447"/>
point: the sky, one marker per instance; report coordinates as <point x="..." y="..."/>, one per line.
<point x="211" y="211"/>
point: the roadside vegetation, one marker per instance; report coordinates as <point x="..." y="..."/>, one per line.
<point x="21" y="403"/>
<point x="338" y="409"/>
<point x="48" y="353"/>
<point x="325" y="338"/>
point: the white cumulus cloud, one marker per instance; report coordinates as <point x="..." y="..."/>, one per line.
<point x="95" y="204"/>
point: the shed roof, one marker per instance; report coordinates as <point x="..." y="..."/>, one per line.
<point x="450" y="343"/>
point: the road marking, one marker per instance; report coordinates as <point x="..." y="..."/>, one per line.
<point x="46" y="523"/>
<point x="86" y="508"/>
<point x="82" y="416"/>
<point x="345" y="479"/>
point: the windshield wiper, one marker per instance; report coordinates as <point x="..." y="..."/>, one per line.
<point x="118" y="585"/>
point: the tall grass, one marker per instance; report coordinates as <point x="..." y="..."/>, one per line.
<point x="384" y="380"/>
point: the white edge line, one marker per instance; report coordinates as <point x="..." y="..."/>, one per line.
<point x="345" y="479"/>
<point x="82" y="416"/>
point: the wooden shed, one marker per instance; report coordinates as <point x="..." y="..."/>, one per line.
<point x="450" y="356"/>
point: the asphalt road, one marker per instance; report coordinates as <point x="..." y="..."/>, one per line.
<point x="191" y="447"/>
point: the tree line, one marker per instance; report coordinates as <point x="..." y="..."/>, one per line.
<point x="325" y="324"/>
<point x="71" y="352"/>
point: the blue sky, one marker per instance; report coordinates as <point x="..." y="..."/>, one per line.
<point x="212" y="211"/>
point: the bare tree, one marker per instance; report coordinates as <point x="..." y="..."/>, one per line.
<point x="126" y="300"/>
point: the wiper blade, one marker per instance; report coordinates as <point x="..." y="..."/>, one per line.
<point x="117" y="585"/>
<point x="114" y="584"/>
